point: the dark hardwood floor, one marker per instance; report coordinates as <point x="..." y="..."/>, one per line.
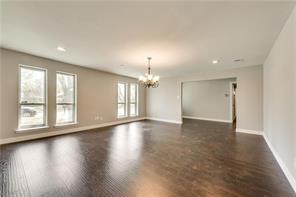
<point x="145" y="158"/>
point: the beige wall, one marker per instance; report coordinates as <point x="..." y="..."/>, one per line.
<point x="165" y="101"/>
<point x="1" y="89"/>
<point x="280" y="96"/>
<point x="96" y="92"/>
<point x="207" y="99"/>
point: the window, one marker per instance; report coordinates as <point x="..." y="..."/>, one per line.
<point x="121" y="100"/>
<point x="65" y="98"/>
<point x="133" y="102"/>
<point x="32" y="97"/>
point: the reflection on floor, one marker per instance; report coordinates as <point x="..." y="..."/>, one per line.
<point x="145" y="158"/>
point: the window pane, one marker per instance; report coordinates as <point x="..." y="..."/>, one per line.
<point x="32" y="85"/>
<point x="121" y="93"/>
<point x="65" y="113"/>
<point x="121" y="110"/>
<point x="133" y="93"/>
<point x="32" y="115"/>
<point x="65" y="88"/>
<point x="133" y="111"/>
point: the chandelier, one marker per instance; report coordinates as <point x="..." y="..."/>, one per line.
<point x="149" y="80"/>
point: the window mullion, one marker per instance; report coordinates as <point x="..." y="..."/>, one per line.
<point x="32" y="104"/>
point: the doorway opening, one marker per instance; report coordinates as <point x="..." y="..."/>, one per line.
<point x="233" y="86"/>
<point x="210" y="100"/>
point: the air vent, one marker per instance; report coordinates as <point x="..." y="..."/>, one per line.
<point x="238" y="60"/>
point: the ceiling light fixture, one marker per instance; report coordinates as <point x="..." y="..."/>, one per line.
<point x="59" y="48"/>
<point x="149" y="80"/>
<point x="215" y="61"/>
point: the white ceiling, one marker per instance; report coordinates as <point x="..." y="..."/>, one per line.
<point x="181" y="37"/>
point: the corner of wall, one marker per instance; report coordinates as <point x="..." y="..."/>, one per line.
<point x="1" y="88"/>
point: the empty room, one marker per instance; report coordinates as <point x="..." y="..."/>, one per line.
<point x="147" y="98"/>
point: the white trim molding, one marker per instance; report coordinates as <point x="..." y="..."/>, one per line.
<point x="164" y="120"/>
<point x="65" y="131"/>
<point x="249" y="131"/>
<point x="281" y="163"/>
<point x="284" y="168"/>
<point x="207" y="119"/>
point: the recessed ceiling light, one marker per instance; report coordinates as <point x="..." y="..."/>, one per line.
<point x="59" y="48"/>
<point x="215" y="61"/>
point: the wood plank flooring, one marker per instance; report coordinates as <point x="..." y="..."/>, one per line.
<point x="145" y="158"/>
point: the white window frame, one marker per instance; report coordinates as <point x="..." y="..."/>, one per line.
<point x="125" y="99"/>
<point x="136" y="100"/>
<point x="57" y="124"/>
<point x="45" y="104"/>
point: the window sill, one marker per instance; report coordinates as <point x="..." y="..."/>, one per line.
<point x="64" y="125"/>
<point x="20" y="130"/>
<point x="122" y="117"/>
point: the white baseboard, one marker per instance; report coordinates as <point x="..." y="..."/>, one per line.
<point x="284" y="168"/>
<point x="249" y="131"/>
<point x="65" y="131"/>
<point x="286" y="171"/>
<point x="164" y="120"/>
<point x="208" y="119"/>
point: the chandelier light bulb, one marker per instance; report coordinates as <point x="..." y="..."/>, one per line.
<point x="150" y="77"/>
